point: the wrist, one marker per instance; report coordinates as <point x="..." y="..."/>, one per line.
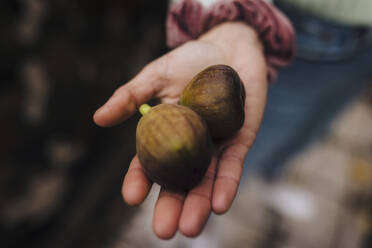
<point x="234" y="38"/>
<point x="242" y="48"/>
<point x="189" y="19"/>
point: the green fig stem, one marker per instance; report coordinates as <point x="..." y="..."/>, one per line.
<point x="144" y="108"/>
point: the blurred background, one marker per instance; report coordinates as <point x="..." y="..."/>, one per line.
<point x="60" y="175"/>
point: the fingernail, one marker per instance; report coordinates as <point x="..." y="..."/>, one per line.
<point x="100" y="110"/>
<point x="104" y="106"/>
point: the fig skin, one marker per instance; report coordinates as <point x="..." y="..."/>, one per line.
<point x="217" y="94"/>
<point x="174" y="146"/>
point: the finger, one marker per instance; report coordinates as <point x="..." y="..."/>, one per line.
<point x="126" y="100"/>
<point x="167" y="212"/>
<point x="228" y="177"/>
<point x="136" y="185"/>
<point x="197" y="206"/>
<point x="231" y="162"/>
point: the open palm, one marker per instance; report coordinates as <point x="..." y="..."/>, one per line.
<point x="233" y="44"/>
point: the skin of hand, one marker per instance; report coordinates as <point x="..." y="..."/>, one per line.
<point x="234" y="44"/>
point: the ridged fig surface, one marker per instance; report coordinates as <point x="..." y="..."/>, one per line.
<point x="174" y="146"/>
<point x="217" y="94"/>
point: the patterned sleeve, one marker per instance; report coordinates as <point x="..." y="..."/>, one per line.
<point x="188" y="19"/>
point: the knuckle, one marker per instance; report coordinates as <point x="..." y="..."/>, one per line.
<point x="229" y="178"/>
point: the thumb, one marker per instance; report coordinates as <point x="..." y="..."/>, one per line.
<point x="126" y="100"/>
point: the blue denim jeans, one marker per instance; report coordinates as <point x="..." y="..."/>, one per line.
<point x="332" y="67"/>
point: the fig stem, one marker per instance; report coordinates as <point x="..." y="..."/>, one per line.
<point x="144" y="108"/>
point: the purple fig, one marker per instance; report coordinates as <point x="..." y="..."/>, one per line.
<point x="173" y="145"/>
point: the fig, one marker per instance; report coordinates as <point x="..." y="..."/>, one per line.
<point x="173" y="145"/>
<point x="217" y="94"/>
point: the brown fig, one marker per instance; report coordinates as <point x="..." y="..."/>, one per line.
<point x="217" y="94"/>
<point x="173" y="145"/>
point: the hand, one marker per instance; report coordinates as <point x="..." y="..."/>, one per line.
<point x="234" y="44"/>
